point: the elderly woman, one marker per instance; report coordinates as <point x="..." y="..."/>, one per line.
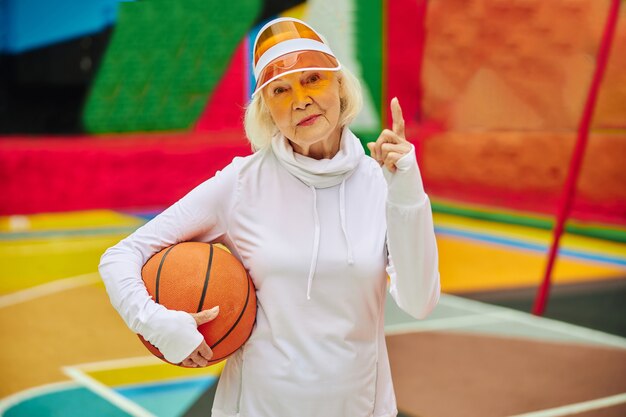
<point x="319" y="226"/>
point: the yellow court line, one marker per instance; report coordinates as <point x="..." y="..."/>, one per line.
<point x="146" y="369"/>
<point x="468" y="265"/>
<point x="67" y="221"/>
<point x="30" y="263"/>
<point x="529" y="234"/>
<point x="486" y="209"/>
<point x="53" y="246"/>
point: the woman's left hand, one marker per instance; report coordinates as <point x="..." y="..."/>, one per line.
<point x="391" y="145"/>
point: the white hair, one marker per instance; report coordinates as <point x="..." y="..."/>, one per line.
<point x="260" y="126"/>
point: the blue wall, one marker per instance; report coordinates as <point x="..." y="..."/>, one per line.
<point x="30" y="24"/>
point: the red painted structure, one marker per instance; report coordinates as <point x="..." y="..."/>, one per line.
<point x="50" y="174"/>
<point x="569" y="188"/>
<point x="33" y="171"/>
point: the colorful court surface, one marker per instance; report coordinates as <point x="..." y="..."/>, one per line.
<point x="139" y="386"/>
<point x="90" y="364"/>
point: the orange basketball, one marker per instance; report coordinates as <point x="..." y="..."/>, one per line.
<point x="195" y="276"/>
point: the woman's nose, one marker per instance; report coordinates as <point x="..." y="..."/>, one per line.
<point x="301" y="98"/>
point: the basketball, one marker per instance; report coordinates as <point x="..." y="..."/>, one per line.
<point x="195" y="276"/>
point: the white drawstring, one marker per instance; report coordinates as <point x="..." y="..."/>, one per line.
<point x="316" y="244"/>
<point x="342" y="216"/>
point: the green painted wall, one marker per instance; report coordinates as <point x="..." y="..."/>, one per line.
<point x="369" y="15"/>
<point x="163" y="61"/>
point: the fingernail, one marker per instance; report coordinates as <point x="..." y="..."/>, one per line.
<point x="215" y="309"/>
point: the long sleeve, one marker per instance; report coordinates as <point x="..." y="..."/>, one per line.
<point x="413" y="257"/>
<point x="199" y="215"/>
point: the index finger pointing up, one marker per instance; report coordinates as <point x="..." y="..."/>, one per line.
<point x="398" y="120"/>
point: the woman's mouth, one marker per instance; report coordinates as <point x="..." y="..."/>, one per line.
<point x="309" y="120"/>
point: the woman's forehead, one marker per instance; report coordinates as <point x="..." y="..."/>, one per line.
<point x="301" y="74"/>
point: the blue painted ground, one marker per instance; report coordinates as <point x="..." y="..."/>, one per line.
<point x="169" y="399"/>
<point x="72" y="402"/>
<point x="163" y="399"/>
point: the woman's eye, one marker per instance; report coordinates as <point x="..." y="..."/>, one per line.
<point x="279" y="90"/>
<point x="313" y="78"/>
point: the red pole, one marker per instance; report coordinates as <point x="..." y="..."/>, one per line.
<point x="569" y="189"/>
<point x="422" y="8"/>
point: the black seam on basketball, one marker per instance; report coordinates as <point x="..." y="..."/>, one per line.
<point x="206" y="280"/>
<point x="158" y="277"/>
<point x="221" y="358"/>
<point x="243" y="310"/>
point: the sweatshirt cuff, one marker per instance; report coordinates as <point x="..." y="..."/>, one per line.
<point x="405" y="187"/>
<point x="174" y="333"/>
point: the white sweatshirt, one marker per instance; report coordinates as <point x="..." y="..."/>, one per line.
<point x="314" y="236"/>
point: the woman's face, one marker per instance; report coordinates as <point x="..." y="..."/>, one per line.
<point x="305" y="106"/>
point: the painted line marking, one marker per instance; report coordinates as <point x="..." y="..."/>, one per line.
<point x="440" y="324"/>
<point x="118" y="363"/>
<point x="48" y="289"/>
<point x="107" y="393"/>
<point x="566" y="328"/>
<point x="106" y="231"/>
<point x="504" y="313"/>
<point x="14" y="399"/>
<point x="54" y="246"/>
<point x="140" y="361"/>
<point x="578" y="408"/>
<point x="509" y="242"/>
<point x="146" y="387"/>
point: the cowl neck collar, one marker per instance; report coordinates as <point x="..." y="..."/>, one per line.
<point x="320" y="173"/>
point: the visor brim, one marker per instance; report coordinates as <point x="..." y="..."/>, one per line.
<point x="295" y="62"/>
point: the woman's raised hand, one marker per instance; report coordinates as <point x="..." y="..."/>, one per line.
<point x="391" y="145"/>
<point x="201" y="356"/>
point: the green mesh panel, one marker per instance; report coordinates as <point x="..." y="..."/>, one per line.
<point x="164" y="59"/>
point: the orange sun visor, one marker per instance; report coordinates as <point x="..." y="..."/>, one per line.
<point x="287" y="45"/>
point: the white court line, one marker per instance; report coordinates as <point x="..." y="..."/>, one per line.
<point x="9" y="248"/>
<point x="107" y="393"/>
<point x="531" y="320"/>
<point x="49" y="288"/>
<point x="119" y="363"/>
<point x="572" y="409"/>
<point x="444" y="323"/>
<point x="465" y="303"/>
<point x="7" y="402"/>
<point x="565" y="328"/>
